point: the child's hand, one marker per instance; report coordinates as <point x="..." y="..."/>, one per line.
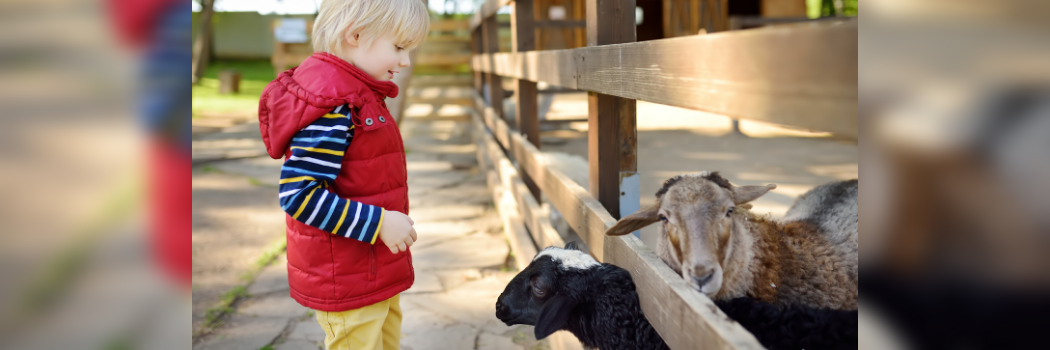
<point x="397" y="231"/>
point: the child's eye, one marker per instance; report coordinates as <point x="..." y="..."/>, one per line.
<point x="399" y="48"/>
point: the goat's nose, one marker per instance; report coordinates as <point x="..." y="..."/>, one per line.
<point x="701" y="281"/>
<point x="501" y="309"/>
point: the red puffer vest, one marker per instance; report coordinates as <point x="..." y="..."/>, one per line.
<point x="326" y="272"/>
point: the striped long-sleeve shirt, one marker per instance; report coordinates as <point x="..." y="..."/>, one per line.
<point x="317" y="153"/>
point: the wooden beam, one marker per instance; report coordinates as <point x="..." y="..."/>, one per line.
<point x="612" y="152"/>
<point x="495" y="83"/>
<point x="487" y="10"/>
<point x="610" y="22"/>
<point x="478" y="48"/>
<point x="523" y="37"/>
<point x="802" y="75"/>
<point x="612" y="136"/>
<point x="513" y="227"/>
<point x="489" y="159"/>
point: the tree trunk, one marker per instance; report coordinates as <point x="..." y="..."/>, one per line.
<point x="202" y="45"/>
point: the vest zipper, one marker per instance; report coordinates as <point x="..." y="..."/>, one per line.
<point x="372" y="260"/>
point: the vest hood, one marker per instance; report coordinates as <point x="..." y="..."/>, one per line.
<point x="302" y="94"/>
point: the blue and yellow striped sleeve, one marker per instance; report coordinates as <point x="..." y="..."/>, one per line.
<point x="317" y="155"/>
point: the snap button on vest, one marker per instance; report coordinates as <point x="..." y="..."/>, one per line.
<point x="382" y="120"/>
<point x="368" y="121"/>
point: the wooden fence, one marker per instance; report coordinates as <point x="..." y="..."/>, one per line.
<point x="801" y="75"/>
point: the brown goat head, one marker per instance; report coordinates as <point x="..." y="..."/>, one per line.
<point x="699" y="233"/>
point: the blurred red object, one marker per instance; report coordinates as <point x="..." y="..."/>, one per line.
<point x="136" y="20"/>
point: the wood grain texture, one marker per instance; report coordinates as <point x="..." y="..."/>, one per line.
<point x="612" y="149"/>
<point x="801" y="75"/>
<point x="610" y="22"/>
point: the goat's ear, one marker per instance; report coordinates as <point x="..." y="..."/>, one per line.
<point x="571" y="246"/>
<point x="636" y="221"/>
<point x="744" y="194"/>
<point x="554" y="315"/>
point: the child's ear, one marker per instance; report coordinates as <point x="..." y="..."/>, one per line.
<point x="353" y="39"/>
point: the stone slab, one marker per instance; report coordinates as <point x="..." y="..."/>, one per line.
<point x="472" y="303"/>
<point x="488" y="341"/>
<point x="272" y="279"/>
<point x="276" y="306"/>
<point x="245" y="333"/>
<point x="308" y="330"/>
<point x="296" y="344"/>
<point x="426" y="282"/>
<point x="449" y="212"/>
<point x="458" y="336"/>
<point x="473" y="251"/>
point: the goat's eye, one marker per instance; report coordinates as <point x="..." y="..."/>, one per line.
<point x="539" y="292"/>
<point x="730" y="212"/>
<point x="663" y="218"/>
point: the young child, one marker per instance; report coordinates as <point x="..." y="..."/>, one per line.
<point x="344" y="180"/>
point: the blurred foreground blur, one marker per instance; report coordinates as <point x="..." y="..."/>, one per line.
<point x="86" y="132"/>
<point x="955" y="118"/>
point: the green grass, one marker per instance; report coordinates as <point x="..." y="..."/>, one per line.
<point x="255" y="74"/>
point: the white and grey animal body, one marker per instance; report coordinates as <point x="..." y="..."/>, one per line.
<point x="722" y="249"/>
<point x="834" y="208"/>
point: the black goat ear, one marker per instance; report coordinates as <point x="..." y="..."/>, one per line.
<point x="571" y="246"/>
<point x="554" y="315"/>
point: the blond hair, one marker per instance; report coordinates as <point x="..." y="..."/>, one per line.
<point x="408" y="20"/>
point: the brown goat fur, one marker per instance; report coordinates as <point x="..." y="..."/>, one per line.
<point x="722" y="249"/>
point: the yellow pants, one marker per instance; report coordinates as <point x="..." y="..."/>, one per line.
<point x="373" y="327"/>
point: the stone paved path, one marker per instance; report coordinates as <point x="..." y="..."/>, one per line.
<point x="461" y="258"/>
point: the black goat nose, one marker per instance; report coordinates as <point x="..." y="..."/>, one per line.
<point x="701" y="281"/>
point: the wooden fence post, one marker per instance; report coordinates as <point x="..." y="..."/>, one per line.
<point x="612" y="136"/>
<point x="479" y="48"/>
<point x="523" y="35"/>
<point x="490" y="38"/>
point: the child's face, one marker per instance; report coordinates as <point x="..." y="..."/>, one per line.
<point x="380" y="60"/>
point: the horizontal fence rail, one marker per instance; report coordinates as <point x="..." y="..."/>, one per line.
<point x="802" y="75"/>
